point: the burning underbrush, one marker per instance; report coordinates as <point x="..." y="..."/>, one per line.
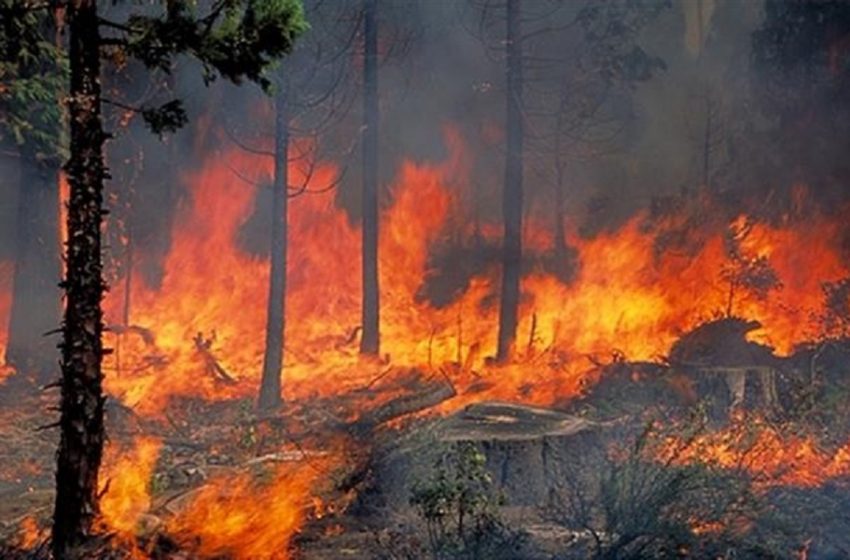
<point x="213" y="480"/>
<point x="736" y="320"/>
<point x="6" y="271"/>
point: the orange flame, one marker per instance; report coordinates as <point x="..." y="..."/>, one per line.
<point x="127" y="477"/>
<point x="30" y="533"/>
<point x="6" y="274"/>
<point x="770" y="457"/>
<point x="627" y="297"/>
<point x="236" y="517"/>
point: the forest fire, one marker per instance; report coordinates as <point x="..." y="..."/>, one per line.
<point x="30" y="533"/>
<point x="633" y="296"/>
<point x="770" y="457"/>
<point x="583" y="293"/>
<point x="634" y="300"/>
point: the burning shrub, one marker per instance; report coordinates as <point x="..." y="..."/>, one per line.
<point x="636" y="501"/>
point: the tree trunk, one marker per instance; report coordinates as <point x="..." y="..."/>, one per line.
<point x="276" y="314"/>
<point x="370" y="340"/>
<point x="512" y="194"/>
<point x="81" y="408"/>
<point x="706" y="145"/>
<point x="560" y="166"/>
<point x="560" y="219"/>
<point x="35" y="296"/>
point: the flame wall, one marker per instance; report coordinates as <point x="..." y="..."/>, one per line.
<point x="627" y="296"/>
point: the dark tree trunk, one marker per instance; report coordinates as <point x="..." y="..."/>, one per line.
<point x="81" y="408"/>
<point x="560" y="221"/>
<point x="276" y="314"/>
<point x="706" y="145"/>
<point x="370" y="341"/>
<point x="512" y="194"/>
<point x="35" y="296"/>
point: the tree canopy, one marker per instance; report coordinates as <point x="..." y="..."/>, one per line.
<point x="33" y="75"/>
<point x="235" y="39"/>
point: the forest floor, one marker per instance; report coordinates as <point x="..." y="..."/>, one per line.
<point x="380" y="449"/>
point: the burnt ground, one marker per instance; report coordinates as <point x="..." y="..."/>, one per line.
<point x="513" y="470"/>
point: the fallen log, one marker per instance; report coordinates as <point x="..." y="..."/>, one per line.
<point x="364" y="460"/>
<point x="435" y="394"/>
<point x="145" y="334"/>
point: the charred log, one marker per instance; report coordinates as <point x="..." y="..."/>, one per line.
<point x="204" y="347"/>
<point x="436" y="393"/>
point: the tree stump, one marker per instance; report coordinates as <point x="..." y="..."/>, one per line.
<point x="526" y="448"/>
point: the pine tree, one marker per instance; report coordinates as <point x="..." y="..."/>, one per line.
<point x="235" y="39"/>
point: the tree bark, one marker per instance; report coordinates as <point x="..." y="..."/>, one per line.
<point x="512" y="194"/>
<point x="370" y="339"/>
<point x="81" y="408"/>
<point x="35" y="295"/>
<point x="560" y="218"/>
<point x="560" y="166"/>
<point x="276" y="315"/>
<point x="706" y="144"/>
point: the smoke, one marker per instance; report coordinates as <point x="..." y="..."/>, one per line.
<point x="8" y="203"/>
<point x="687" y="115"/>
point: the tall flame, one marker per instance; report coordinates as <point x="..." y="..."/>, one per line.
<point x="126" y="493"/>
<point x="627" y="296"/>
<point x="6" y="270"/>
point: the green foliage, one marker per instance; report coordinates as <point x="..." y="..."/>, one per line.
<point x="246" y="427"/>
<point x="460" y="509"/>
<point x="237" y="39"/>
<point x="33" y="74"/>
<point x="169" y="117"/>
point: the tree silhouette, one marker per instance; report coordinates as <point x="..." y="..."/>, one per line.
<point x="236" y="40"/>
